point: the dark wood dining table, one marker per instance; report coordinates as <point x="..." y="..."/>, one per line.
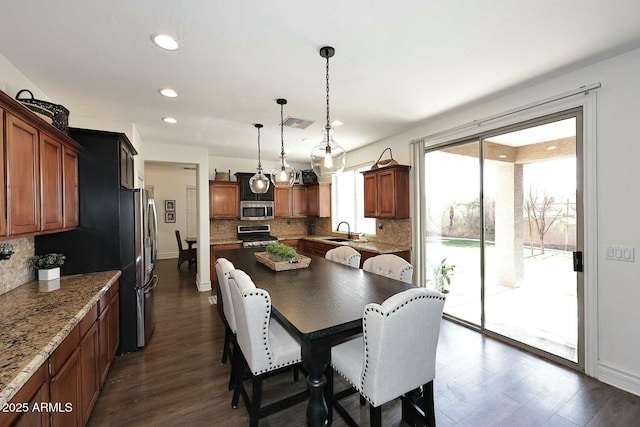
<point x="319" y="304"/>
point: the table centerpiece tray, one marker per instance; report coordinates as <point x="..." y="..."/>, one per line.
<point x="300" y="261"/>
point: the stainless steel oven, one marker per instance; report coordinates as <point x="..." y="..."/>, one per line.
<point x="256" y="210"/>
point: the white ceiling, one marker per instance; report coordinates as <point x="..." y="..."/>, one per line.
<point x="397" y="63"/>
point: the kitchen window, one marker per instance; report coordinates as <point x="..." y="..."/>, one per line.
<point x="348" y="201"/>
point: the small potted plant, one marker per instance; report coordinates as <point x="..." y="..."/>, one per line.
<point x="48" y="265"/>
<point x="280" y="252"/>
<point x="442" y="274"/>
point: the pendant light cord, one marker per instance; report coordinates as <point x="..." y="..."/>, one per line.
<point x="282" y="135"/>
<point x="259" y="162"/>
<point x="328" y="120"/>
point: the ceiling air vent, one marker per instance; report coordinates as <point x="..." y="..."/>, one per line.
<point x="292" y="122"/>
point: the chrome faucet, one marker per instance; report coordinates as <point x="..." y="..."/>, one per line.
<point x="348" y="228"/>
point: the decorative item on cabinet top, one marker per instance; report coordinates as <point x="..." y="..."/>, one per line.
<point x="386" y="162"/>
<point x="55" y="114"/>
<point x="222" y="176"/>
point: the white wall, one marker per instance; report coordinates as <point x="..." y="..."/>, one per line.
<point x="12" y="80"/>
<point x="170" y="181"/>
<point x="617" y="171"/>
<point x="224" y="164"/>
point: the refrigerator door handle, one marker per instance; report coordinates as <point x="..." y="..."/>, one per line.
<point x="154" y="250"/>
<point x="149" y="287"/>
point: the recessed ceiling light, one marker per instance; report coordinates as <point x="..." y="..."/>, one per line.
<point x="169" y="93"/>
<point x="165" y="41"/>
<point x="552" y="147"/>
<point x="336" y="123"/>
<point x="502" y="156"/>
<point x="170" y="120"/>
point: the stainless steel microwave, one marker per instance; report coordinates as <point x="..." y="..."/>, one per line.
<point x="256" y="210"/>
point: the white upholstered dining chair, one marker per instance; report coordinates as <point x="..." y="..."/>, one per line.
<point x="223" y="268"/>
<point x="391" y="266"/>
<point x="265" y="347"/>
<point x="395" y="354"/>
<point x="344" y="255"/>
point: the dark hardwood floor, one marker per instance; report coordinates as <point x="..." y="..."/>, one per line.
<point x="177" y="380"/>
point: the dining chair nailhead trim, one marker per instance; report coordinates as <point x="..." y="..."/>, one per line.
<point x="366" y="347"/>
<point x="265" y="337"/>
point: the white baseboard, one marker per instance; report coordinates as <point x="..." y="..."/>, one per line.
<point x="168" y="255"/>
<point x="618" y="378"/>
<point x="202" y="286"/>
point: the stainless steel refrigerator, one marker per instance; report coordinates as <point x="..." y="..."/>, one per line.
<point x="146" y="254"/>
<point x="117" y="231"/>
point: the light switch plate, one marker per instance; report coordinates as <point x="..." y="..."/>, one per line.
<point x="620" y="253"/>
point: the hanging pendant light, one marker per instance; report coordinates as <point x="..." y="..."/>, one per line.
<point x="259" y="183"/>
<point x="328" y="157"/>
<point x="282" y="175"/>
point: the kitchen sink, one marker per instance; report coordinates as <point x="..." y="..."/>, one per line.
<point x="337" y="239"/>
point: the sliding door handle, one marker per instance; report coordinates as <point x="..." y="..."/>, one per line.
<point x="577" y="261"/>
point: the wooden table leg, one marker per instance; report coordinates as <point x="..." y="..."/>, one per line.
<point x="316" y="355"/>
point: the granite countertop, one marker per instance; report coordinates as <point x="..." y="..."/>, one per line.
<point x="229" y="241"/>
<point x="375" y="247"/>
<point x="33" y="323"/>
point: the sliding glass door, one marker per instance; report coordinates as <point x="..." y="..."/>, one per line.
<point x="504" y="210"/>
<point x="453" y="227"/>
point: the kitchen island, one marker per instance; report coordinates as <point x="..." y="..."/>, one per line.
<point x="35" y="322"/>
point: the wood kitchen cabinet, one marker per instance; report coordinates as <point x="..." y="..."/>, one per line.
<point x="108" y="336"/>
<point x="224" y="199"/>
<point x="294" y="243"/>
<point x="127" y="178"/>
<point x="212" y="257"/>
<point x="35" y="391"/>
<point x="291" y="202"/>
<point x="319" y="200"/>
<point x="65" y="386"/>
<point x="386" y="192"/>
<point x="51" y="175"/>
<point x="40" y="181"/>
<point x="23" y="176"/>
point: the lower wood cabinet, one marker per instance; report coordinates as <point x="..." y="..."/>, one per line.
<point x="65" y="389"/>
<point x="212" y="257"/>
<point x="108" y="333"/>
<point x="25" y="407"/>
<point x="89" y="379"/>
<point x="320" y="249"/>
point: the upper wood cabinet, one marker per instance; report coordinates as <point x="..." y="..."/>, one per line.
<point x="224" y="199"/>
<point x="319" y="200"/>
<point x="39" y="172"/>
<point x="51" y="207"/>
<point x="290" y="202"/>
<point x="386" y="192"/>
<point x="23" y="187"/>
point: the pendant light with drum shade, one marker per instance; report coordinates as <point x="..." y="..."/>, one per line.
<point x="282" y="175"/>
<point x="328" y="158"/>
<point x="259" y="183"/>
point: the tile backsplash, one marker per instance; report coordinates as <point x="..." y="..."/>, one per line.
<point x="393" y="232"/>
<point x="15" y="271"/>
<point x="221" y="229"/>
